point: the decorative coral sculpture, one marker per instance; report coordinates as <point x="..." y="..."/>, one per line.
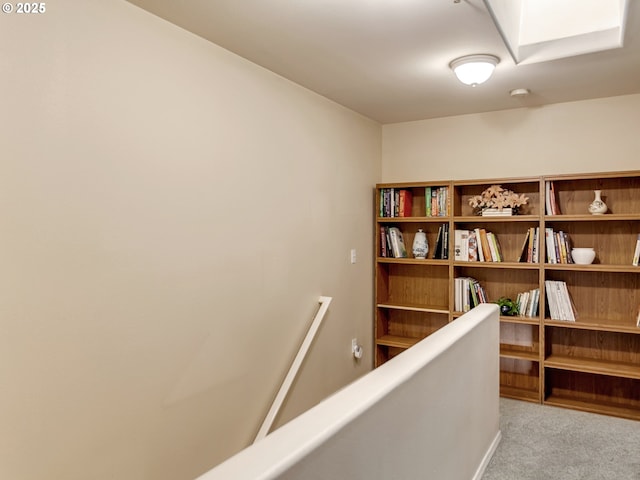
<point x="497" y="197"/>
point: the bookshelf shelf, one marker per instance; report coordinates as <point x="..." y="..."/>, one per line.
<point x="412" y="219"/>
<point x="590" y="364"/>
<point x="600" y="324"/>
<point x="506" y="352"/>
<point x="501" y="265"/>
<point x="415" y="308"/>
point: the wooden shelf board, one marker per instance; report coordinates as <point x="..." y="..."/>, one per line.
<point x="598" y="325"/>
<point x="496" y="219"/>
<point x="512" y="265"/>
<point x="413" y="261"/>
<point x="520" y="394"/>
<point x="415" y="307"/>
<point x="593" y="407"/>
<point x="413" y="219"/>
<point x="592" y="218"/>
<point x="594" y="267"/>
<point x="520" y="319"/>
<point x="507" y="352"/>
<point x="587" y="365"/>
<point x="396" y="341"/>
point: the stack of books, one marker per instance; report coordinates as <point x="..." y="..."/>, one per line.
<point x="396" y="202"/>
<point x="560" y="305"/>
<point x="468" y="293"/>
<point x="477" y="245"/>
<point x="558" y="246"/>
<point x="528" y="303"/>
<point x="551" y="205"/>
<point x="392" y="243"/>
<point x="530" y="252"/>
<point x="436" y="201"/>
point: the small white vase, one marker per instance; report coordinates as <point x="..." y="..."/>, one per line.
<point x="597" y="207"/>
<point x="420" y="245"/>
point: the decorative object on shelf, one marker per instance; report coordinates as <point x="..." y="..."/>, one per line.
<point x="583" y="256"/>
<point x="420" y="245"/>
<point x="499" y="200"/>
<point x="508" y="307"/>
<point x="597" y="207"/>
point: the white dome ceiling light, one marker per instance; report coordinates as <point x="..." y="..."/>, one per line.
<point x="474" y="69"/>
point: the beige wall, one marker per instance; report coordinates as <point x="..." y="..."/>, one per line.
<point x="170" y="215"/>
<point x="588" y="136"/>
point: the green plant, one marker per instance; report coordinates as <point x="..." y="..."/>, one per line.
<point x="507" y="307"/>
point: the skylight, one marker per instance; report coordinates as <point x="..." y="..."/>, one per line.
<point x="542" y="30"/>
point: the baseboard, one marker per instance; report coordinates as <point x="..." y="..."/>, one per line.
<point x="487" y="456"/>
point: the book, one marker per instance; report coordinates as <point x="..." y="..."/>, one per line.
<point x="437" y="252"/>
<point x="405" y="203"/>
<point x="523" y="256"/>
<point x="560" y="304"/>
<point x="494" y="246"/>
<point x="551" y="206"/>
<point x="473" y="247"/>
<point x="383" y="242"/>
<point x="555" y="209"/>
<point x="461" y="245"/>
<point x="486" y="251"/>
<point x="636" y="253"/>
<point x="549" y="246"/>
<point x="495" y="212"/>
<point x="427" y="201"/>
<point x="397" y="243"/>
<point x="479" y="245"/>
<point x="547" y="198"/>
<point x="445" y="241"/>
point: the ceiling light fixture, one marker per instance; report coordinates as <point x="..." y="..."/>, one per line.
<point x="474" y="69"/>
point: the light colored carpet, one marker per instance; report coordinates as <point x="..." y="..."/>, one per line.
<point x="541" y="442"/>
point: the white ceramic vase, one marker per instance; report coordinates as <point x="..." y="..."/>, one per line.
<point x="597" y="207"/>
<point x="420" y="245"/>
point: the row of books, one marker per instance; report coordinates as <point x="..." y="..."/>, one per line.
<point x="437" y="203"/>
<point x="551" y="205"/>
<point x="441" y="250"/>
<point x="392" y="243"/>
<point x="528" y="303"/>
<point x="530" y="252"/>
<point x="468" y="293"/>
<point x="560" y="304"/>
<point x="398" y="202"/>
<point x="558" y="246"/>
<point x="477" y="245"/>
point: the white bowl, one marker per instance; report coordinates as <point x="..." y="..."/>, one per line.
<point x="583" y="256"/>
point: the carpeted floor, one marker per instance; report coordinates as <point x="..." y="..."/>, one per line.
<point x="540" y="442"/>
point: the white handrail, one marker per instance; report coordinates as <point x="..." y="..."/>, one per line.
<point x="293" y="370"/>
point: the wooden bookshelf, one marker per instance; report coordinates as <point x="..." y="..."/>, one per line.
<point x="592" y="364"/>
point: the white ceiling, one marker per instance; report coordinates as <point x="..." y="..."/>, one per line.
<point x="388" y="59"/>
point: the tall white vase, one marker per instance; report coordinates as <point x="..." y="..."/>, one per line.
<point x="597" y="207"/>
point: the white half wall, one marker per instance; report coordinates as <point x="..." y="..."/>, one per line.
<point x="431" y="412"/>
